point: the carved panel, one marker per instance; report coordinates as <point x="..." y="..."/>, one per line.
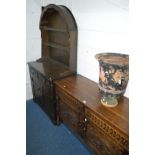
<point x="43" y="93"/>
<point x="47" y="88"/>
<point x="101" y="143"/>
<point x="106" y="128"/>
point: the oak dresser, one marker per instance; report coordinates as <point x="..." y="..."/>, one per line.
<point x="58" y="55"/>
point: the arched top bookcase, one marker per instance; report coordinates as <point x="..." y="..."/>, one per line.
<point x="58" y="56"/>
<point x="59" y="35"/>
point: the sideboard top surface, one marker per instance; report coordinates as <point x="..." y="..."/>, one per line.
<point x="50" y="68"/>
<point x="87" y="91"/>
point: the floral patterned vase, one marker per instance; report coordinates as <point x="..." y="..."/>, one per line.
<point x="113" y="76"/>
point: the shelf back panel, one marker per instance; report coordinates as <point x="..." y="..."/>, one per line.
<point x="57" y="25"/>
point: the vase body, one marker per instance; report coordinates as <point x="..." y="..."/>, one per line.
<point x="113" y="76"/>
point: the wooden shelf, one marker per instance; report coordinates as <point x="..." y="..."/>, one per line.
<point x="53" y="29"/>
<point x="54" y="45"/>
<point x="59" y="35"/>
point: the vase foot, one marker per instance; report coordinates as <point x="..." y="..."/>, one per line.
<point x="109" y="101"/>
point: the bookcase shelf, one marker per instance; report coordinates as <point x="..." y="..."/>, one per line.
<point x="59" y="35"/>
<point x="53" y="29"/>
<point x="55" y="45"/>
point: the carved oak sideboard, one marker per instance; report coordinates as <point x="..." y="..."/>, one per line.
<point x="58" y="55"/>
<point x="104" y="130"/>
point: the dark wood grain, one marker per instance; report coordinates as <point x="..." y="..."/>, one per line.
<point x="51" y="68"/>
<point x="112" y="124"/>
<point x="58" y="55"/>
<point x="59" y="19"/>
<point x="83" y="89"/>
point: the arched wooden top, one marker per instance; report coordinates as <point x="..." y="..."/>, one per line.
<point x="63" y="12"/>
<point x="59" y="35"/>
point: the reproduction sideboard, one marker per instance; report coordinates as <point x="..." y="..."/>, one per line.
<point x="105" y="130"/>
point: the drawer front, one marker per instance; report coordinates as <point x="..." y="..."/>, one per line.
<point x="101" y="143"/>
<point x="70" y="101"/>
<point x="107" y="129"/>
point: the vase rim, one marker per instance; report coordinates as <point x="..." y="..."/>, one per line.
<point x="113" y="58"/>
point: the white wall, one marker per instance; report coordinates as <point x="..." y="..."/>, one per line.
<point x="33" y="39"/>
<point x="102" y="27"/>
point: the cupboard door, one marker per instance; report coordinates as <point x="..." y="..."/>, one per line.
<point x="100" y="142"/>
<point x="47" y="89"/>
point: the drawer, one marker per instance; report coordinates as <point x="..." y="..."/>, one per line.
<point x="70" y="101"/>
<point x="114" y="134"/>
